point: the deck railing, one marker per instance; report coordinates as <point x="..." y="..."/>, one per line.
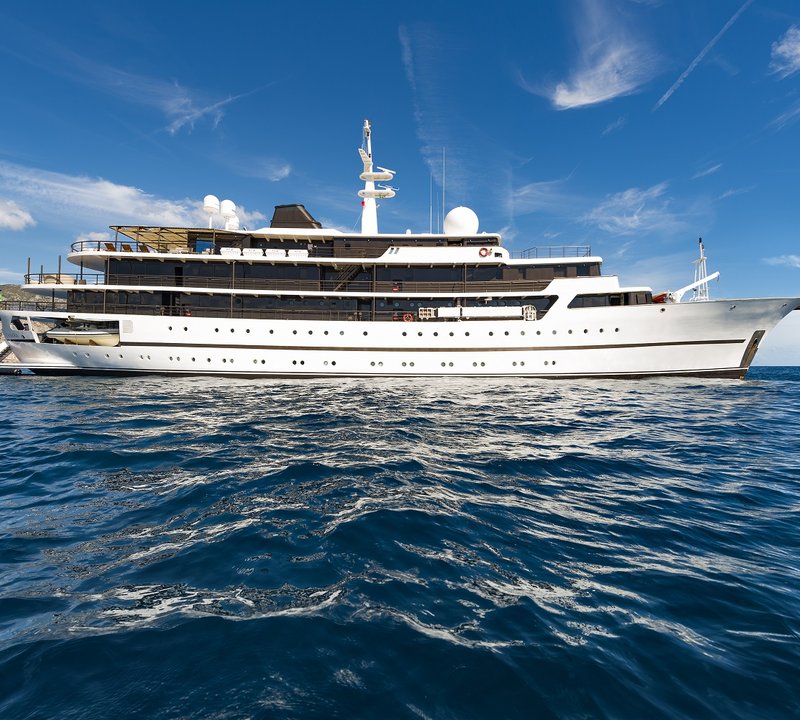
<point x="192" y="282"/>
<point x="555" y="251"/>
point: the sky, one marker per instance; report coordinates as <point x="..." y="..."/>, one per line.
<point x="632" y="126"/>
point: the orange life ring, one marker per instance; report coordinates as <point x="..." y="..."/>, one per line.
<point x="484" y="252"/>
<point x="408" y="317"/>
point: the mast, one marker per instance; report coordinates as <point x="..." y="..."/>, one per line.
<point x="700" y="275"/>
<point x="370" y="193"/>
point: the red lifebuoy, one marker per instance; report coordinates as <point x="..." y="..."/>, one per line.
<point x="408" y="317"/>
<point x="484" y="252"/>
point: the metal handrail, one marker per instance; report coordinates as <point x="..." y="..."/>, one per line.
<point x="195" y="282"/>
<point x="555" y="251"/>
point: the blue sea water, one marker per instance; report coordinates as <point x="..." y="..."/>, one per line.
<point x="212" y="548"/>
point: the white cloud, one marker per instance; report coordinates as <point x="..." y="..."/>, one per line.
<point x="635" y="211"/>
<point x="788" y="260"/>
<point x="709" y="170"/>
<point x="266" y="169"/>
<point x="13" y="217"/>
<point x="611" y="62"/>
<point x="94" y="237"/>
<point x="692" y="65"/>
<point x="785" y="59"/>
<point x="101" y="201"/>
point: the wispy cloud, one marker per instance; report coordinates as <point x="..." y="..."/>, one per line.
<point x="182" y="107"/>
<point x="733" y="192"/>
<point x="476" y="164"/>
<point x="547" y="196"/>
<point x="692" y="65"/>
<point x="708" y="170"/>
<point x="619" y="123"/>
<point x="271" y="169"/>
<point x="788" y="260"/>
<point x="635" y="211"/>
<point x="611" y="61"/>
<point x="788" y="117"/>
<point x="13" y="217"/>
<point x="99" y="201"/>
<point x="785" y="58"/>
<point x="10" y="276"/>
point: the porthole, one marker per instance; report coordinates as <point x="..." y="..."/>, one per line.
<point x="325" y="363"/>
<point x="514" y="363"/>
<point x="108" y="356"/>
<point x="569" y="332"/>
<point x="403" y="364"/>
<point x="585" y="331"/>
<point x="333" y="362"/>
<point x="216" y="329"/>
<point x="483" y="364"/>
<point x="148" y="357"/>
<point x="209" y="359"/>
<point x="170" y="327"/>
<point x="506" y="332"/>
<point x="186" y="329"/>
<point x="302" y="362"/>
<point x="87" y="354"/>
<point x="271" y="331"/>
<point x="192" y="359"/>
<point x="76" y="355"/>
<point x="554" y="362"/>
<point x="490" y="333"/>
<point x="450" y="364"/>
<point x="141" y="357"/>
<point x="325" y="333"/>
<point x="452" y="334"/>
<point x="522" y="332"/>
<point x="255" y="362"/>
<point x="372" y="363"/>
<point x="555" y="332"/>
<point x="466" y="334"/>
<point x="223" y="360"/>
<point x="521" y="362"/>
<point x="380" y="364"/>
<point x="411" y="364"/>
<point x="294" y="362"/>
<point x="365" y="333"/>
<point x="444" y="364"/>
<point x="177" y="358"/>
<point x="310" y="332"/>
<point x="663" y="309"/>
<point x="294" y="332"/>
<point x="435" y="334"/>
<point x="546" y="362"/>
<point x="616" y="329"/>
<point x="263" y="361"/>
<point x="601" y="329"/>
<point x="341" y="332"/>
<point x="247" y="331"/>
<point x="419" y="333"/>
<point x="474" y="364"/>
<point x="538" y="332"/>
<point x="404" y="333"/>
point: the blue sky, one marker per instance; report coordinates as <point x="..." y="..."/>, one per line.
<point x="634" y="126"/>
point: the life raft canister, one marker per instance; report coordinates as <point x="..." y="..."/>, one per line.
<point x="408" y="317"/>
<point x="484" y="252"/>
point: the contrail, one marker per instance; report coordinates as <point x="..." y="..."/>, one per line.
<point x="666" y="96"/>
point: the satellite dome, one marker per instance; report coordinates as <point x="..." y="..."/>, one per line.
<point x="227" y="209"/>
<point x="211" y="204"/>
<point x="461" y="221"/>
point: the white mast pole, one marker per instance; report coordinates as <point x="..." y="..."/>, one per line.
<point x="369" y="213"/>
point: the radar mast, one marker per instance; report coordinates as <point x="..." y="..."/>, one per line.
<point x="371" y="192"/>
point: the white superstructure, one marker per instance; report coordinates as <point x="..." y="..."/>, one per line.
<point x="295" y="299"/>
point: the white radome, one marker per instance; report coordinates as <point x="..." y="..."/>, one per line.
<point x="211" y="204"/>
<point x="461" y="221"/>
<point x="227" y="209"/>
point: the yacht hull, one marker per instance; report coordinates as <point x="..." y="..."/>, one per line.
<point x="715" y="338"/>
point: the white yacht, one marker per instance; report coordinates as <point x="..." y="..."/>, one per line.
<point x="298" y="300"/>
